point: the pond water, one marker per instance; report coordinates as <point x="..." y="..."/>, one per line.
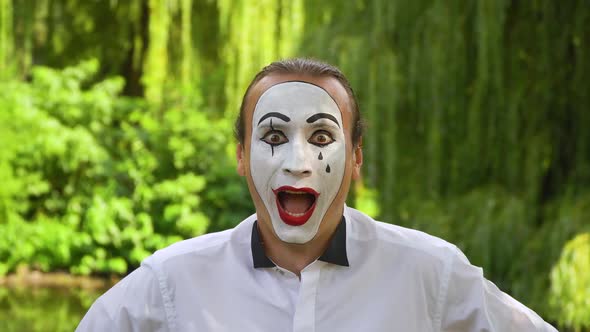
<point x="43" y="309"/>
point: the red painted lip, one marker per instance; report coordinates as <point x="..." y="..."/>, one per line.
<point x="290" y="219"/>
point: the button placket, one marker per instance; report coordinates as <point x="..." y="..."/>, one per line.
<point x="304" y="319"/>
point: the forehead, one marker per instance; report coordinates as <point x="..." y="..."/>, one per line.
<point x="329" y="84"/>
<point x="295" y="99"/>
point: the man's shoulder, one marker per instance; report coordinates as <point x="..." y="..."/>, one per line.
<point x="205" y="246"/>
<point x="390" y="237"/>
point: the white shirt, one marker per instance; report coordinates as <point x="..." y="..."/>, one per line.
<point x="397" y="279"/>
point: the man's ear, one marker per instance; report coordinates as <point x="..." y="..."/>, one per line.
<point x="357" y="159"/>
<point x="241" y="162"/>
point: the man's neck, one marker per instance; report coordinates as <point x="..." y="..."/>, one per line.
<point x="295" y="257"/>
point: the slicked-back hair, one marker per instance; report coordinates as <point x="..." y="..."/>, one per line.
<point x="309" y="67"/>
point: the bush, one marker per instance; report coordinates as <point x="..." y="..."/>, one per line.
<point x="570" y="284"/>
<point x="95" y="182"/>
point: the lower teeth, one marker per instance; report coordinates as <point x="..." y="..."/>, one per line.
<point x="295" y="214"/>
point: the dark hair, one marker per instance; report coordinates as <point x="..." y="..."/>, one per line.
<point x="307" y="67"/>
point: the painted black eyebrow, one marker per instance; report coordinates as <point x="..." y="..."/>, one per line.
<point x="276" y="115"/>
<point x="318" y="116"/>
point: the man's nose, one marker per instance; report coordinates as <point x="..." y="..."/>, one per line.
<point x="298" y="162"/>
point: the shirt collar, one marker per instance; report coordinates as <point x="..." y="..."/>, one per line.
<point x="335" y="252"/>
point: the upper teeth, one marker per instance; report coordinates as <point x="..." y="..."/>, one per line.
<point x="294" y="192"/>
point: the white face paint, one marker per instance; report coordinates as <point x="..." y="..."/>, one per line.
<point x="297" y="157"/>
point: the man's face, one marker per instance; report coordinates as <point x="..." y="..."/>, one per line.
<point x="298" y="156"/>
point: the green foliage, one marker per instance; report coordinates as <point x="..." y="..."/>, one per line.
<point x="94" y="182"/>
<point x="6" y="42"/>
<point x="570" y="284"/>
<point x="275" y="27"/>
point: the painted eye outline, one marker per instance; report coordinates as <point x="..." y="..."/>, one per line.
<point x="266" y="138"/>
<point x="321" y="132"/>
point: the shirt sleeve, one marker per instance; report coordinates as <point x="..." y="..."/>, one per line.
<point x="473" y="303"/>
<point x="133" y="304"/>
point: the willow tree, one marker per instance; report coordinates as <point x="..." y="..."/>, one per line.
<point x="6" y="41"/>
<point x="256" y="33"/>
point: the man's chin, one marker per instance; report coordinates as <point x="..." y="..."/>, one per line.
<point x="294" y="234"/>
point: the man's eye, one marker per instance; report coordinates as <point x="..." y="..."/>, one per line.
<point x="275" y="137"/>
<point x="321" y="138"/>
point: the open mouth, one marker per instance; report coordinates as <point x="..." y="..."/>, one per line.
<point x="295" y="205"/>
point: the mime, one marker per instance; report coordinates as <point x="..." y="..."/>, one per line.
<point x="304" y="261"/>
